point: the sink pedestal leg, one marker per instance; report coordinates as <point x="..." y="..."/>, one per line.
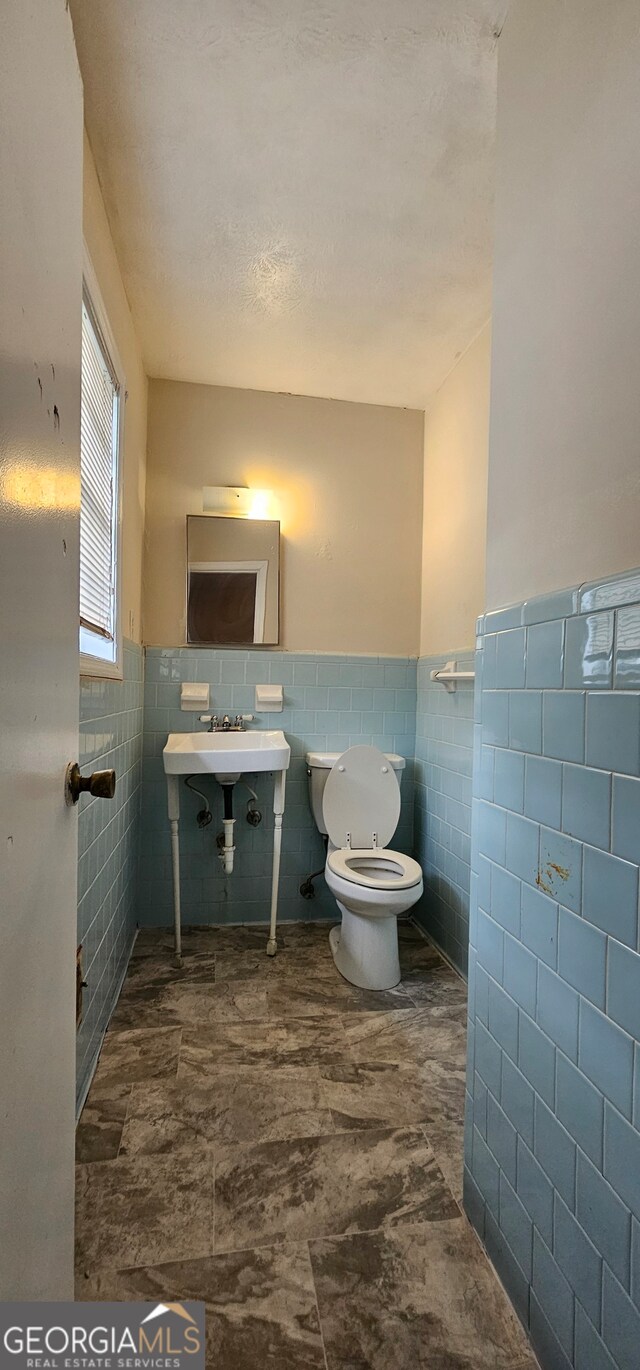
<point x="173" y="797"/>
<point x="278" y="810"/>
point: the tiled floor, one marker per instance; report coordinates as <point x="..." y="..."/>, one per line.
<point x="265" y="1137"/>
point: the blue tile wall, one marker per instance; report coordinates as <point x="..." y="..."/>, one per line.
<point x="552" y="1152"/>
<point x="331" y="703"/>
<point x="442" y="820"/>
<point x="108" y="847"/>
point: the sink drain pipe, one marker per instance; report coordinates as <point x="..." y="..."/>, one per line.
<point x="227" y="848"/>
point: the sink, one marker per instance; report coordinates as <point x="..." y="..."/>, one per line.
<point x="225" y="753"/>
<point x="226" y="756"/>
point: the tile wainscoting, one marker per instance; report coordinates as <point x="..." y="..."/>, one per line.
<point x="442" y="817"/>
<point x="552" y="1179"/>
<point x="331" y="703"/>
<point x="108" y="847"/>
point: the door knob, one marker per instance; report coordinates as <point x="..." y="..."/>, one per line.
<point x="102" y="784"/>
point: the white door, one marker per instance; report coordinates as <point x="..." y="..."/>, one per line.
<point x="40" y="289"/>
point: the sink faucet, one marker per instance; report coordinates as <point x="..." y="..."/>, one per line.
<point x="225" y="725"/>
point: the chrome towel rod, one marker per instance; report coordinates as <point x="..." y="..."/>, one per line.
<point x="449" y="676"/>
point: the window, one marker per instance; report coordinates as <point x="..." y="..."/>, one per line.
<point x="102" y="394"/>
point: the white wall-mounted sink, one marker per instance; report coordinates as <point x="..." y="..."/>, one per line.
<point x="223" y="753"/>
<point x="226" y="756"/>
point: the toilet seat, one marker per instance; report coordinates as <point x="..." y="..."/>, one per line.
<point x="375" y="868"/>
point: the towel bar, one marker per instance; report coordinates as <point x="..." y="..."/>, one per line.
<point x="449" y="676"/>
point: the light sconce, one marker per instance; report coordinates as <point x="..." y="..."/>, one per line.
<point x="236" y="500"/>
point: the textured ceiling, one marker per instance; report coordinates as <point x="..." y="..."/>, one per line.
<point x="300" y="192"/>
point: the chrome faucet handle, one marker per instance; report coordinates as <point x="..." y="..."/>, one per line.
<point x="239" y="722"/>
<point x="211" y="719"/>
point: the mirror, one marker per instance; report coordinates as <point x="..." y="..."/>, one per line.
<point x="233" y="578"/>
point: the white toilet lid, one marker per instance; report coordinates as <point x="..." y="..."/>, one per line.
<point x="361" y="797"/>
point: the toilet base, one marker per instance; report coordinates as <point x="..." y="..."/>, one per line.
<point x="365" y="950"/>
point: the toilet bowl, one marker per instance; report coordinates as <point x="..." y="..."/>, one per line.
<point x="356" y="797"/>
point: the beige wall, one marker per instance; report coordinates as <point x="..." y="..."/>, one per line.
<point x="456" y="454"/>
<point x="347" y="484"/>
<point x="99" y="243"/>
<point x="564" y="477"/>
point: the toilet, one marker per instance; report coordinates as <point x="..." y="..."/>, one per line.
<point x="355" y="800"/>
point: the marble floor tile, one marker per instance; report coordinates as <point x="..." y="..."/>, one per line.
<point x="245" y="1106"/>
<point x="100" y="1128"/>
<point x="415" y="1296"/>
<point x="349" y="1182"/>
<point x="306" y="964"/>
<point x="415" y="950"/>
<point x="421" y="962"/>
<point x="196" y="940"/>
<point x="138" y="1054"/>
<point x="291" y="937"/>
<point x="444" y="1090"/>
<point x="260" y="1306"/>
<point x="154" y="972"/>
<point x="239" y="937"/>
<point x="307" y="934"/>
<point x="152" y="941"/>
<point x="446" y="1140"/>
<point x="144" y="1210"/>
<point x="325" y="992"/>
<point x="423" y="1034"/>
<point x="287" y="1045"/>
<point x="221" y="1110"/>
<point x="375" y="1094"/>
<point x="435" y="986"/>
<point x="244" y="937"/>
<point x="252" y="937"/>
<point x="408" y="931"/>
<point x="185" y="1004"/>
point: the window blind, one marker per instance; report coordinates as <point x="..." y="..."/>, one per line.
<point x="98" y="466"/>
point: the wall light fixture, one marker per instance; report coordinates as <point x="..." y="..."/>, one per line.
<point x="236" y="500"/>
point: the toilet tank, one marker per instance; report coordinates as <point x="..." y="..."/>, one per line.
<point x="318" y="766"/>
